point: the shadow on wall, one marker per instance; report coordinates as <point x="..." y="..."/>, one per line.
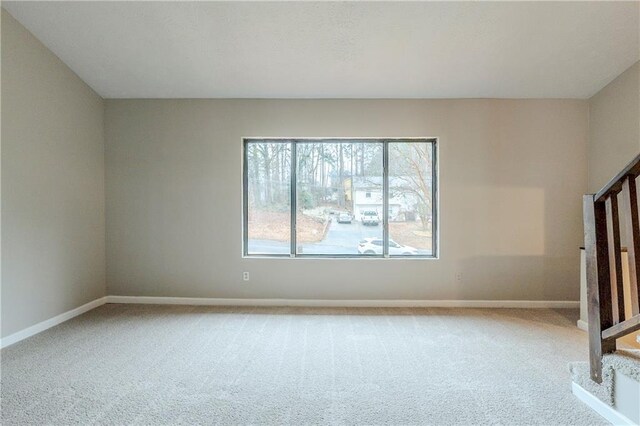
<point x="519" y="277"/>
<point x="522" y="261"/>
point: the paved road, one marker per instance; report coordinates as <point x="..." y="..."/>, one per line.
<point x="341" y="238"/>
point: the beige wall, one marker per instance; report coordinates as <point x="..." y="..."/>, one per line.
<point x="512" y="174"/>
<point x="53" y="223"/>
<point x="614" y="127"/>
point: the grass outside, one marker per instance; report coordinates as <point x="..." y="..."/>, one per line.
<point x="276" y="226"/>
<point x="410" y="234"/>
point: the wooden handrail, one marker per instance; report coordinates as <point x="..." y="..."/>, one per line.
<point x="615" y="185"/>
<point x="605" y="290"/>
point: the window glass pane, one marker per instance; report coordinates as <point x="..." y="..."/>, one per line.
<point x="410" y="198"/>
<point x="269" y="197"/>
<point x="339" y="197"/>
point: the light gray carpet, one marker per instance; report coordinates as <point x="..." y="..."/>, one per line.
<point x="137" y="364"/>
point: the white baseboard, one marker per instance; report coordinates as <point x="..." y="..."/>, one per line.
<point x="378" y="303"/>
<point x="51" y="322"/>
<point x="583" y="325"/>
<point x="605" y="410"/>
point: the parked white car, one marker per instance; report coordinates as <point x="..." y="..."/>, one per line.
<point x="375" y="246"/>
<point x="344" y="218"/>
<point x="369" y="217"/>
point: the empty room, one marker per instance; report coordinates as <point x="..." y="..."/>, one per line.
<point x="318" y="212"/>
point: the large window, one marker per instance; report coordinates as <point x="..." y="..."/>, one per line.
<point x="340" y="197"/>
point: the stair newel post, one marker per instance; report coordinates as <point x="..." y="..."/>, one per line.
<point x="599" y="306"/>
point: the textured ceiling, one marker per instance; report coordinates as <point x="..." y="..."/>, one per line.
<point x="339" y="50"/>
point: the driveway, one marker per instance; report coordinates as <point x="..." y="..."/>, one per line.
<point x="341" y="238"/>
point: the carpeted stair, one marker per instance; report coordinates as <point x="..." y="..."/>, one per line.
<point x="624" y="361"/>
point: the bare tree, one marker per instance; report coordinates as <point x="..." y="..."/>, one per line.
<point x="412" y="175"/>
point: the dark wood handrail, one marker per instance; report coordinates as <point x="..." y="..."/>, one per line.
<point x="614" y="186"/>
<point x="605" y="290"/>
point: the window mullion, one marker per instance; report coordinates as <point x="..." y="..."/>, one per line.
<point x="294" y="165"/>
<point x="385" y="198"/>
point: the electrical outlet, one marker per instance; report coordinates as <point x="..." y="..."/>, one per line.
<point x="245" y="276"/>
<point x="458" y="277"/>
